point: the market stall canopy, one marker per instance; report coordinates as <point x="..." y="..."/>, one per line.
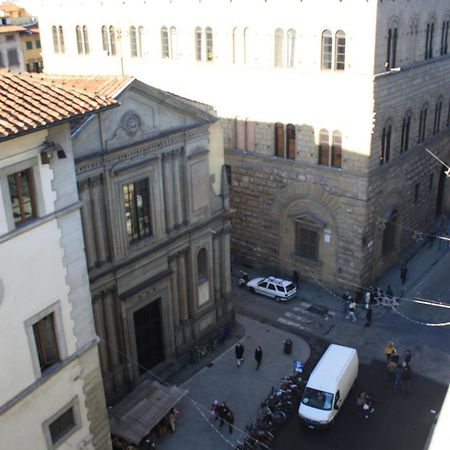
<point x="134" y="416"/>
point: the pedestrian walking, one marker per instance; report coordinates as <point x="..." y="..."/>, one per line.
<point x="369" y="313"/>
<point x="389" y="292"/>
<point x="173" y="416"/>
<point x="351" y="311"/>
<point x="408" y="356"/>
<point x="215" y="409"/>
<point x="230" y="419"/>
<point x="397" y="376"/>
<point x="359" y="296"/>
<point x="295" y="279"/>
<point x="367" y="297"/>
<point x="222" y="412"/>
<point x="389" y="349"/>
<point x="403" y="273"/>
<point x="258" y="356"/>
<point x="406" y="375"/>
<point x="239" y="352"/>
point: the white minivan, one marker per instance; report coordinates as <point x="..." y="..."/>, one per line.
<point x="328" y="386"/>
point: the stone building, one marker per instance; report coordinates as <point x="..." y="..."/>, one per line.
<point x="51" y="392"/>
<point x="156" y="227"/>
<point x="327" y="106"/>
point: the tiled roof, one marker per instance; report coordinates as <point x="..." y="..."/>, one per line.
<point x="10" y="28"/>
<point x="106" y="85"/>
<point x="29" y="103"/>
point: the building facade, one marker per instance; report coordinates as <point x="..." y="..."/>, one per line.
<point x="51" y="381"/>
<point x="327" y="119"/>
<point x="155" y="219"/>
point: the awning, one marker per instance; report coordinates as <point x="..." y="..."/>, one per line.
<point x="134" y="416"/>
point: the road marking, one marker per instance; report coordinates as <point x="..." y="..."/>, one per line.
<point x="290" y="315"/>
<point x="291" y="323"/>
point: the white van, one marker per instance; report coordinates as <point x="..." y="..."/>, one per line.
<point x="328" y="386"/>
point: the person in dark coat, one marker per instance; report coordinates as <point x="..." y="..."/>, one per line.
<point x="295" y="279"/>
<point x="258" y="356"/>
<point x="403" y="273"/>
<point x="230" y="419"/>
<point x="239" y="352"/>
<point x="222" y="411"/>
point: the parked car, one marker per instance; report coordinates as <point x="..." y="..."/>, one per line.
<point x="276" y="288"/>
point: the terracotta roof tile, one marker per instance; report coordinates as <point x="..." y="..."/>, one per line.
<point x="28" y="103"/>
<point x="107" y="85"/>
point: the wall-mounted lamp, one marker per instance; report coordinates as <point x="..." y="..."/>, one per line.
<point x="61" y="154"/>
<point x="45" y="158"/>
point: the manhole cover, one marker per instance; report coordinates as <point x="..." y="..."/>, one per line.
<point x="318" y="309"/>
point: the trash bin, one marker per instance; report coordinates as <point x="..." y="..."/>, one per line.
<point x="288" y="346"/>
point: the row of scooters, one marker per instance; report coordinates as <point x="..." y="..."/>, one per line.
<point x="273" y="413"/>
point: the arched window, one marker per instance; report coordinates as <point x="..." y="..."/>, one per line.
<point x="86" y="40"/>
<point x="390" y="231"/>
<point x="385" y="150"/>
<point x="324" y="148"/>
<point x="391" y="50"/>
<point x="413" y="32"/>
<point x="140" y="40"/>
<point x="422" y="124"/>
<point x="290" y="141"/>
<point x="406" y="127"/>
<point x="112" y="40"/>
<point x="339" y="42"/>
<point x="234" y="43"/>
<point x="105" y="39"/>
<point x="444" y="35"/>
<point x="198" y="43"/>
<point x="202" y="266"/>
<point x="327" y="50"/>
<point x="429" y="39"/>
<point x="279" y="44"/>
<point x="209" y="44"/>
<point x="336" y="149"/>
<point x="61" y="39"/>
<point x="437" y="116"/>
<point x="173" y="43"/>
<point x="279" y="140"/>
<point x="164" y="42"/>
<point x="80" y="46"/>
<point x="55" y="39"/>
<point x="133" y="41"/>
<point x="291" y="47"/>
<point x="247" y="45"/>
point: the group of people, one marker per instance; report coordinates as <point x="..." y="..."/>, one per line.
<point x="239" y="353"/>
<point x="222" y="412"/>
<point x="398" y="371"/>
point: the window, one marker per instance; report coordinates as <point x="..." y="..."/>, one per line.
<point x="56" y="48"/>
<point x="61" y="39"/>
<point x="406" y="126"/>
<point x="279" y="44"/>
<point x="209" y="44"/>
<point x="234" y="46"/>
<point x="62" y="425"/>
<point x="46" y="342"/>
<point x="306" y="241"/>
<point x="416" y="192"/>
<point x="29" y="45"/>
<point x="385" y="151"/>
<point x="414" y="32"/>
<point x="198" y="43"/>
<point x="10" y="38"/>
<point x="340" y="51"/>
<point x="327" y="49"/>
<point x="422" y="124"/>
<point x="448" y="115"/>
<point x="133" y="41"/>
<point x="109" y="40"/>
<point x="38" y="43"/>
<point x="429" y="39"/>
<point x="173" y="43"/>
<point x="82" y="40"/>
<point x="13" y="57"/>
<point x="391" y="51"/>
<point x="437" y="117"/>
<point x="290" y="141"/>
<point x="336" y="149"/>
<point x="444" y="36"/>
<point x="22" y="196"/>
<point x="164" y="42"/>
<point x="279" y="140"/>
<point x="324" y="148"/>
<point x="291" y="48"/>
<point x="137" y="210"/>
<point x="202" y="266"/>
